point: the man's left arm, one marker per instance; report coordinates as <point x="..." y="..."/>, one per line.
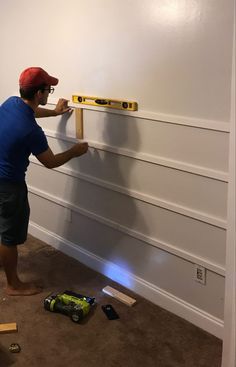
<point x="61" y="108"/>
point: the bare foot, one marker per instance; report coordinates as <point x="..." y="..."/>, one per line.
<point x="23" y="289"/>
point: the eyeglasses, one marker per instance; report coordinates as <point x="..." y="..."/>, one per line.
<point x="50" y="90"/>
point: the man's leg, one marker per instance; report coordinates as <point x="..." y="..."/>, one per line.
<point x="15" y="287"/>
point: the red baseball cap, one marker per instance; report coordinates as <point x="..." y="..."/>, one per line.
<point x="35" y="76"/>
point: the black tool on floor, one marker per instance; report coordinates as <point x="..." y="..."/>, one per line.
<point x="110" y="312"/>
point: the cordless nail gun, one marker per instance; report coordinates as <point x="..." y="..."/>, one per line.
<point x="72" y="304"/>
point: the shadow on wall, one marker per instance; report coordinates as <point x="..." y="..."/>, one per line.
<point x="110" y="242"/>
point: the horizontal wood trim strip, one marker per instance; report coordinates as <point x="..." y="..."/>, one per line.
<point x="206" y="218"/>
<point x="223" y="126"/>
<point x="149" y="240"/>
<point x="181" y="166"/>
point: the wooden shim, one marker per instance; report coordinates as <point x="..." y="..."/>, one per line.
<point x="8" y="328"/>
<point x="79" y="123"/>
<point x="119" y="295"/>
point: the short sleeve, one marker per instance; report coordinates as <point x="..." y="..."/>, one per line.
<point x="37" y="141"/>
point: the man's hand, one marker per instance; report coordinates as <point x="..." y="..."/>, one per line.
<point x="80" y="149"/>
<point x="51" y="160"/>
<point x="62" y="107"/>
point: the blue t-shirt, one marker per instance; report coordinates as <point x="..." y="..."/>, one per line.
<point x="20" y="135"/>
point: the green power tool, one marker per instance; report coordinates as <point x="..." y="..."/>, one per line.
<point x="72" y="304"/>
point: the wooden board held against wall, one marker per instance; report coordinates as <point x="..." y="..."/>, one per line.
<point x="79" y="128"/>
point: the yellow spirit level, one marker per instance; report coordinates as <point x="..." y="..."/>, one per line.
<point x="105" y="102"/>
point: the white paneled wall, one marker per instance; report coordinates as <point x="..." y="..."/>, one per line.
<point x="144" y="209"/>
<point x="149" y="199"/>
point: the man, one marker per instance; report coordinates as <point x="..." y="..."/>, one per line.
<point x="20" y="135"/>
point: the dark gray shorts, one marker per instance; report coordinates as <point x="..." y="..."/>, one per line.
<point x="14" y="213"/>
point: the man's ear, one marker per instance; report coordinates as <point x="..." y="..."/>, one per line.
<point x="38" y="96"/>
<point x="39" y="93"/>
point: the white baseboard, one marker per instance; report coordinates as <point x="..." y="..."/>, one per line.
<point x="158" y="296"/>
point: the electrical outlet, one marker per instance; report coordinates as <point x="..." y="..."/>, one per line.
<point x="200" y="274"/>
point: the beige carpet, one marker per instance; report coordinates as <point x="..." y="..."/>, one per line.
<point x="145" y="335"/>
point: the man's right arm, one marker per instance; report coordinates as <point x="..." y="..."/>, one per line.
<point x="51" y="160"/>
